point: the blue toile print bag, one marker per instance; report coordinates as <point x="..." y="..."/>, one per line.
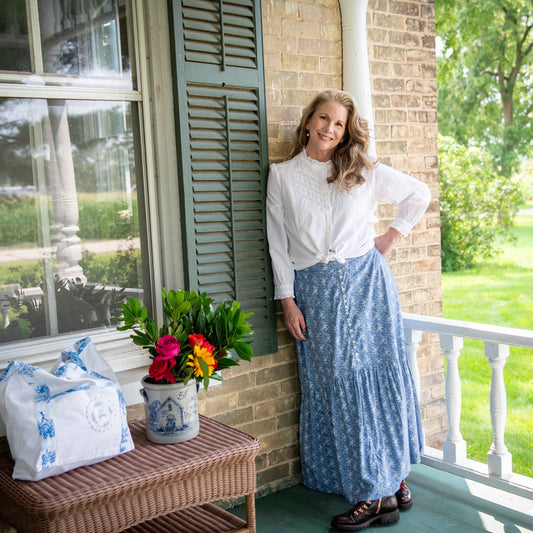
<point x="72" y="416"/>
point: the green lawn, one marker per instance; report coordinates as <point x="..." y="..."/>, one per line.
<point x="499" y="292"/>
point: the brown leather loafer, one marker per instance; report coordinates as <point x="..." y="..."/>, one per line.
<point x="404" y="497"/>
<point x="384" y="510"/>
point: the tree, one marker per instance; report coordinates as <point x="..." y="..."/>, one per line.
<point x="485" y="76"/>
<point x="469" y="193"/>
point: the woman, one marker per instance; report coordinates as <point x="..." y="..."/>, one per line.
<point x="360" y="425"/>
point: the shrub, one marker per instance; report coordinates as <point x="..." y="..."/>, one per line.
<point x="476" y="204"/>
<point x="107" y="219"/>
<point x="98" y="220"/>
<point x="121" y="268"/>
<point x="18" y="220"/>
<point x="27" y="274"/>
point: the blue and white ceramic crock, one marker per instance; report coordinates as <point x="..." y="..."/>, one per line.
<point x="171" y="411"/>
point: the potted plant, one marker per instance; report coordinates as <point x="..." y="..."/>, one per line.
<point x="195" y="342"/>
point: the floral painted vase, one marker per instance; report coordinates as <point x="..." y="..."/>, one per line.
<point x="171" y="411"/>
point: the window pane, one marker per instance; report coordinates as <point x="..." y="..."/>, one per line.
<point x="86" y="39"/>
<point x="14" y="42"/>
<point x="69" y="224"/>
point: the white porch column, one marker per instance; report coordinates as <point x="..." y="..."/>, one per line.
<point x="68" y="252"/>
<point x="499" y="460"/>
<point x="355" y="69"/>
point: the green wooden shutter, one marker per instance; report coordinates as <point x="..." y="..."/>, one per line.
<point x="223" y="154"/>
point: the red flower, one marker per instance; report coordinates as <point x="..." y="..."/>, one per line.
<point x="161" y="368"/>
<point x="168" y="347"/>
<point x="200" y="340"/>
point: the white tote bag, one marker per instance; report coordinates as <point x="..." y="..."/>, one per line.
<point x="72" y="416"/>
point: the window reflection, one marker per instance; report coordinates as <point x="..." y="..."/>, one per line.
<point x="69" y="226"/>
<point x="14" y="41"/>
<point x="84" y="38"/>
<point x="80" y="42"/>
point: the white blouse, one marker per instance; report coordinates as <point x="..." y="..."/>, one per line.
<point x="310" y="220"/>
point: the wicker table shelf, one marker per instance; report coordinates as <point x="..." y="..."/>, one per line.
<point x="150" y="489"/>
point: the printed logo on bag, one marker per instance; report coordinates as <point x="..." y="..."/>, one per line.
<point x="100" y="413"/>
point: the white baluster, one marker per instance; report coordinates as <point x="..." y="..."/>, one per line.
<point x="454" y="447"/>
<point x="5" y="305"/>
<point x="56" y="8"/>
<point x="412" y="341"/>
<point x="80" y="13"/>
<point x="499" y="460"/>
<point x="67" y="20"/>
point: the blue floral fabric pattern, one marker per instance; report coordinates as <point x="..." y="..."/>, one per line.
<point x="360" y="427"/>
<point x="74" y="415"/>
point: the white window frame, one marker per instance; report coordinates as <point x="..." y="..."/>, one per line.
<point x="160" y="181"/>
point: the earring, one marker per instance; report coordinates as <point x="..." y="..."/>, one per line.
<point x="307" y="133"/>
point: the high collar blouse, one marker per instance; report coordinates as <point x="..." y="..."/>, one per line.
<point x="310" y="220"/>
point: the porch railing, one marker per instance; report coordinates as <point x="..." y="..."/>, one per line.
<point x="499" y="470"/>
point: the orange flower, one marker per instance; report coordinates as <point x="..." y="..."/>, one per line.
<point x="207" y="356"/>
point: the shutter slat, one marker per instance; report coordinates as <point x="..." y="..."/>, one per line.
<point x="208" y="36"/>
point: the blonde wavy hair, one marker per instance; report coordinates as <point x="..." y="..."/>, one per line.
<point x="350" y="157"/>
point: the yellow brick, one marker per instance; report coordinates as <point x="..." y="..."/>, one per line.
<point x="315" y="11"/>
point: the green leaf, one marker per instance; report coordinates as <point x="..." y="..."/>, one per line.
<point x="226" y="362"/>
<point x="205" y="371"/>
<point x="243" y="350"/>
<point x="184" y="307"/>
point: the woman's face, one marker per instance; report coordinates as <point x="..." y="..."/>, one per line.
<point x="326" y="126"/>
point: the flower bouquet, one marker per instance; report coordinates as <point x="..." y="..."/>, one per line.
<point x="196" y="339"/>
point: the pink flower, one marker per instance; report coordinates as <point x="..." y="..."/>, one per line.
<point x="161" y="368"/>
<point x="168" y="347"/>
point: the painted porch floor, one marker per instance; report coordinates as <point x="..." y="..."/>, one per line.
<point x="443" y="503"/>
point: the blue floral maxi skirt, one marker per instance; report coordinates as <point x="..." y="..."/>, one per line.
<point x="360" y="427"/>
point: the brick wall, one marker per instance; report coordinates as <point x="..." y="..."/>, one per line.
<point x="303" y="47"/>
<point x="303" y="55"/>
<point x="401" y="49"/>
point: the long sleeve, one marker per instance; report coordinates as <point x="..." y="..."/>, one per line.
<point x="410" y="195"/>
<point x="282" y="266"/>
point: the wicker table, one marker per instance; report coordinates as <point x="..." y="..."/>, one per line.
<point x="152" y="488"/>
